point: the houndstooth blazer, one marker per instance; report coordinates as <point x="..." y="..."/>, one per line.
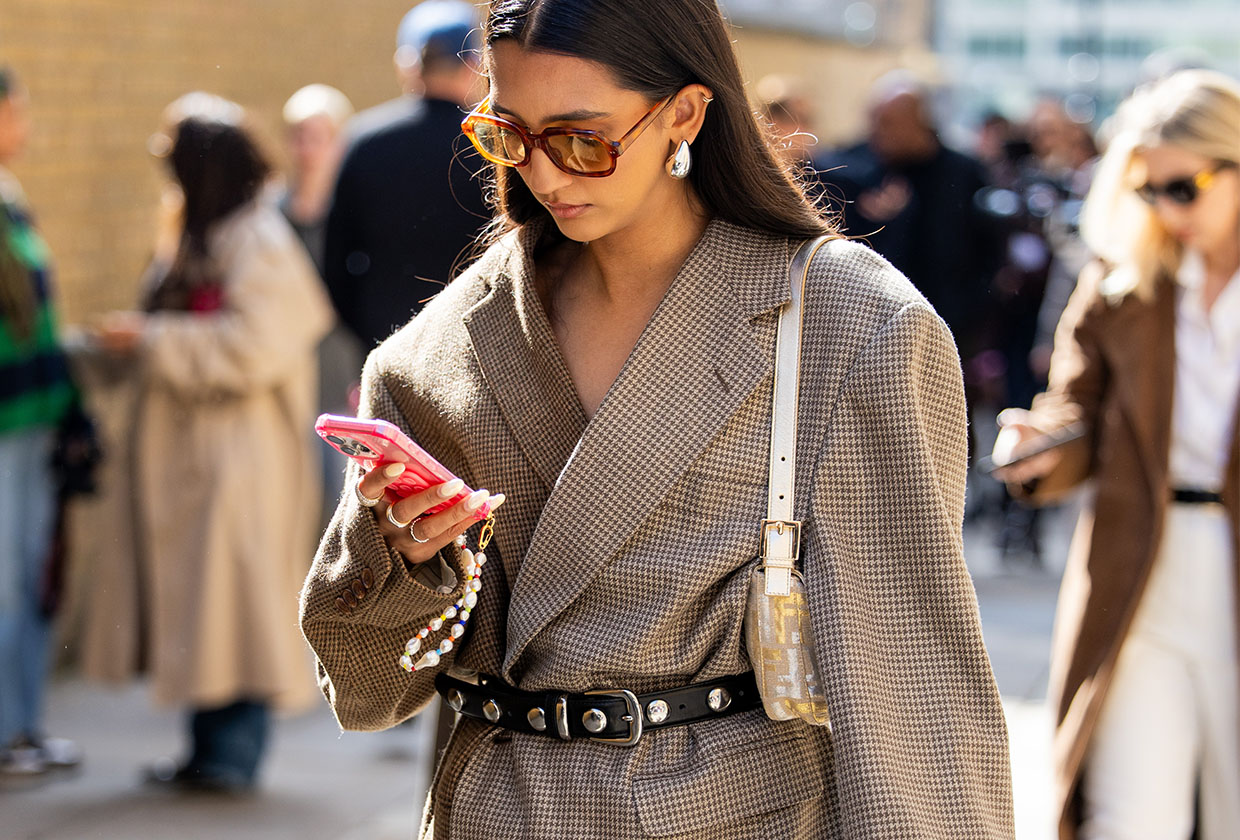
<point x="621" y="557"/>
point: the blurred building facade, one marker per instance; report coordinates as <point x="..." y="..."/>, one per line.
<point x="1002" y="54"/>
<point x="836" y="48"/>
<point x="100" y="74"/>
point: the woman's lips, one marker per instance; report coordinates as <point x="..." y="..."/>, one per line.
<point x="566" y="211"/>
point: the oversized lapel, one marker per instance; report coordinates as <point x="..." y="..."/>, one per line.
<point x="1145" y="364"/>
<point x="519" y="358"/>
<point x="692" y="367"/>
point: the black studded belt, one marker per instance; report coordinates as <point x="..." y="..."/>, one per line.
<point x="611" y="716"/>
<point x="1196" y="497"/>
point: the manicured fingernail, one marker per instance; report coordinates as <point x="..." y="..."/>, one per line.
<point x="476" y="500"/>
<point x="497" y="500"/>
<point x="450" y="488"/>
<point x="393" y="470"/>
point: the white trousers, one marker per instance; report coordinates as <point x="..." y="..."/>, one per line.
<point x="1168" y="731"/>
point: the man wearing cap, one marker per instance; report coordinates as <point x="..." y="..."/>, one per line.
<point x="407" y="204"/>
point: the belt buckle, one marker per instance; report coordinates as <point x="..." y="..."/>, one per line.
<point x="633" y="717"/>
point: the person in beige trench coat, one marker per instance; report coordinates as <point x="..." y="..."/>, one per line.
<point x="629" y="434"/>
<point x="212" y="512"/>
<point x="1118" y="371"/>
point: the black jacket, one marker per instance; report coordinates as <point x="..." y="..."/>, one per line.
<point x="407" y="207"/>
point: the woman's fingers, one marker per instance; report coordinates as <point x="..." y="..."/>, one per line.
<point x="419" y="538"/>
<point x="376" y="481"/>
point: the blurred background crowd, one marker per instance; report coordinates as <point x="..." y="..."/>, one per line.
<point x="212" y="211"/>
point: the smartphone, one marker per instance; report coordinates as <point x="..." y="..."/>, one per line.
<point x="1036" y="446"/>
<point x="375" y="443"/>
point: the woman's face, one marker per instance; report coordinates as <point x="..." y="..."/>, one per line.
<point x="14" y="124"/>
<point x="1209" y="223"/>
<point x="539" y="90"/>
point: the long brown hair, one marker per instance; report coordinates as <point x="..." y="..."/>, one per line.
<point x="17" y="294"/>
<point x="657" y="47"/>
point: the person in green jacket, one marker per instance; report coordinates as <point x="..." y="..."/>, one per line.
<point x="36" y="393"/>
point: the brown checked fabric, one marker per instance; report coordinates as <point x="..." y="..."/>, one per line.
<point x="622" y="554"/>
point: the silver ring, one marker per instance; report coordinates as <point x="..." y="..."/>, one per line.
<point x="414" y="535"/>
<point x="392" y="519"/>
<point x="362" y="498"/>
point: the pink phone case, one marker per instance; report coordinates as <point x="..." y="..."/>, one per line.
<point x="374" y="443"/>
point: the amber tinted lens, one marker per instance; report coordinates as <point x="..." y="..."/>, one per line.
<point x="580" y="152"/>
<point x="500" y="144"/>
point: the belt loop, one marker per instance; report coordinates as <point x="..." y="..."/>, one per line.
<point x="561" y="716"/>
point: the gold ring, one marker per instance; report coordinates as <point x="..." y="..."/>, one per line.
<point x="392" y="519"/>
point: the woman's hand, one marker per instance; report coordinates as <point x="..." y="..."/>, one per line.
<point x="421" y="537"/>
<point x="1015" y="432"/>
<point x="120" y="333"/>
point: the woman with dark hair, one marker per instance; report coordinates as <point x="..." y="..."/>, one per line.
<point x="221" y="358"/>
<point x="608" y="365"/>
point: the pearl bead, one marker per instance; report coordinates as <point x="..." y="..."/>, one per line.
<point x="445" y="646"/>
<point x="413" y="646"/>
<point x="464" y="616"/>
<point x="480" y="558"/>
<point x="450" y="612"/>
<point x="471" y="599"/>
<point x="436" y="623"/>
<point x="406" y="663"/>
<point x="471" y="570"/>
<point x="430" y="660"/>
<point x="459" y="541"/>
<point x="475" y="584"/>
<point x="457" y="630"/>
<point x="423" y="633"/>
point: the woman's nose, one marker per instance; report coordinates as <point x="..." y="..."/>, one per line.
<point x="544" y="177"/>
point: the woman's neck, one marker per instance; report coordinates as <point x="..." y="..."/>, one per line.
<point x="1221" y="265"/>
<point x="641" y="261"/>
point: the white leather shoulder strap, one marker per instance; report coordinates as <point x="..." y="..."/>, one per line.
<point x="781" y="534"/>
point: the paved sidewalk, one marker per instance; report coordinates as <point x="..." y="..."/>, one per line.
<point x="322" y="784"/>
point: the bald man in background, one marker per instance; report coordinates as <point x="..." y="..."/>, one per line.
<point x="912" y="199"/>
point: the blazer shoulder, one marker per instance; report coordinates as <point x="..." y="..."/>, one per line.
<point x="851" y="283"/>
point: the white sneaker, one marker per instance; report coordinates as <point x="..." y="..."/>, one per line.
<point x="60" y="752"/>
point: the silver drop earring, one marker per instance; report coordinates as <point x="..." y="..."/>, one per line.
<point x="681" y="162"/>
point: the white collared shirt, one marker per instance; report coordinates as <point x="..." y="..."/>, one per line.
<point x="1207" y="379"/>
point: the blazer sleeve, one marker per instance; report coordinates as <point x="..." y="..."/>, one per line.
<point x="275" y="312"/>
<point x="920" y="736"/>
<point x="358" y="650"/>
<point x="1077" y="384"/>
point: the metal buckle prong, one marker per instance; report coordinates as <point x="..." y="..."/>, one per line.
<point x="779" y="525"/>
<point x="561" y="717"/>
<point x="632" y="716"/>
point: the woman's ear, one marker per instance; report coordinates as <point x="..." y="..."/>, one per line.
<point x="688" y="112"/>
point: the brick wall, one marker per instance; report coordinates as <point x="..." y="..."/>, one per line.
<point x="101" y="71"/>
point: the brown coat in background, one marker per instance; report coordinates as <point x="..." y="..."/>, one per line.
<point x="622" y="556"/>
<point x="213" y="486"/>
<point x="1113" y="368"/>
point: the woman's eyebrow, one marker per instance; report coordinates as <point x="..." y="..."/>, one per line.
<point x="580" y="115"/>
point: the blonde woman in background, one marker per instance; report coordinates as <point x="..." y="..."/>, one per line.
<point x="1147" y="359"/>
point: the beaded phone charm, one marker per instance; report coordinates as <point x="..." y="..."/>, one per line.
<point x="472" y="564"/>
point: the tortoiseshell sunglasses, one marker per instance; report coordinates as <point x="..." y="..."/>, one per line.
<point x="577" y="151"/>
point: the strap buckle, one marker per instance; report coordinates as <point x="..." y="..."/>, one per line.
<point x="632" y="716"/>
<point x="779" y="526"/>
